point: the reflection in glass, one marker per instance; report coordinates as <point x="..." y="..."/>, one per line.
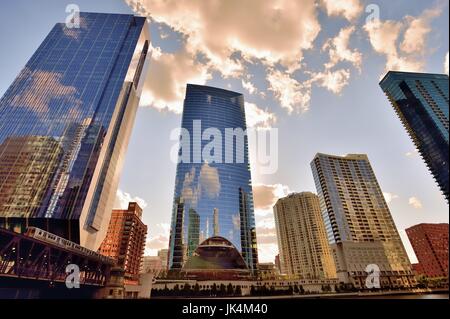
<point x="212" y="198"/>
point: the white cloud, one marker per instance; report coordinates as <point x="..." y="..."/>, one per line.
<point x="334" y="81"/>
<point x="257" y="117"/>
<point x="209" y="181"/>
<point x="384" y="36"/>
<point x="265" y="196"/>
<point x="389" y="197"/>
<point x="414" y="40"/>
<point x="273" y="30"/>
<point x="123" y="198"/>
<point x="158" y="240"/>
<point x="350" y="9"/>
<point x="412" y="154"/>
<point x="249" y="87"/>
<point x="339" y="50"/>
<point x="411" y="33"/>
<point x="446" y="64"/>
<point x="169" y="73"/>
<point x="292" y="95"/>
<point x="415" y="202"/>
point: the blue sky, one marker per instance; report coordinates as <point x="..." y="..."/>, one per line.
<point x="279" y="61"/>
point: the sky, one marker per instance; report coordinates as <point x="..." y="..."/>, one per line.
<point x="309" y="68"/>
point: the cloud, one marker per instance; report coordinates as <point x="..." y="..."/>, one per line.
<point x="267" y="252"/>
<point x="265" y="196"/>
<point x="446" y="64"/>
<point x="414" y="40"/>
<point x="389" y="197"/>
<point x="169" y="73"/>
<point x="292" y="95"/>
<point x="333" y="81"/>
<point x="274" y="30"/>
<point x="411" y="33"/>
<point x="42" y="88"/>
<point x="209" y="181"/>
<point x="339" y="51"/>
<point x="257" y="117"/>
<point x="415" y="202"/>
<point x="350" y="9"/>
<point x="158" y="240"/>
<point x="123" y="198"/>
<point x="249" y="87"/>
<point x="412" y="154"/>
<point x="190" y="191"/>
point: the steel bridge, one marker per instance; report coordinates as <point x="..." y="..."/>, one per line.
<point x="27" y="258"/>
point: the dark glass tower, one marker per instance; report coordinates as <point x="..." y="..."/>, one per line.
<point x="65" y="123"/>
<point x="213" y="198"/>
<point x="422" y="103"/>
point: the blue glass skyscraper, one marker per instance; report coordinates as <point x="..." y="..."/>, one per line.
<point x="422" y="103"/>
<point x="213" y="196"/>
<point x="65" y="123"/>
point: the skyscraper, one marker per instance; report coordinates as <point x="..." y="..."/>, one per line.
<point x="359" y="225"/>
<point x="422" y="103"/>
<point x="302" y="239"/>
<point x="213" y="176"/>
<point x="125" y="241"/>
<point x="65" y="123"/>
<point x="430" y="244"/>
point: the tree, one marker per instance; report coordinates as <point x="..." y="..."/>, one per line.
<point x="223" y="290"/>
<point x="238" y="291"/>
<point x="230" y="290"/>
<point x="290" y="290"/>
<point x="302" y="290"/>
<point x="214" y="290"/>
<point x="196" y="290"/>
<point x="176" y="290"/>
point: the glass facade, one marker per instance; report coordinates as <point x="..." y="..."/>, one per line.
<point x="213" y="198"/>
<point x="64" y="124"/>
<point x="421" y="101"/>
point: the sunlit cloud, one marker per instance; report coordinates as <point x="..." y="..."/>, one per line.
<point x="389" y="197"/>
<point x="415" y="202"/>
<point x="403" y="43"/>
<point x="339" y="50"/>
<point x="165" y="88"/>
<point x="290" y="93"/>
<point x="158" y="240"/>
<point x="350" y="9"/>
<point x="123" y="198"/>
<point x="257" y="117"/>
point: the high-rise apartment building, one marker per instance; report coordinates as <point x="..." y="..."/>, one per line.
<point x="217" y="188"/>
<point x="125" y="241"/>
<point x="430" y="244"/>
<point x="302" y="239"/>
<point x="422" y="103"/>
<point x="361" y="232"/>
<point x="65" y="123"/>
